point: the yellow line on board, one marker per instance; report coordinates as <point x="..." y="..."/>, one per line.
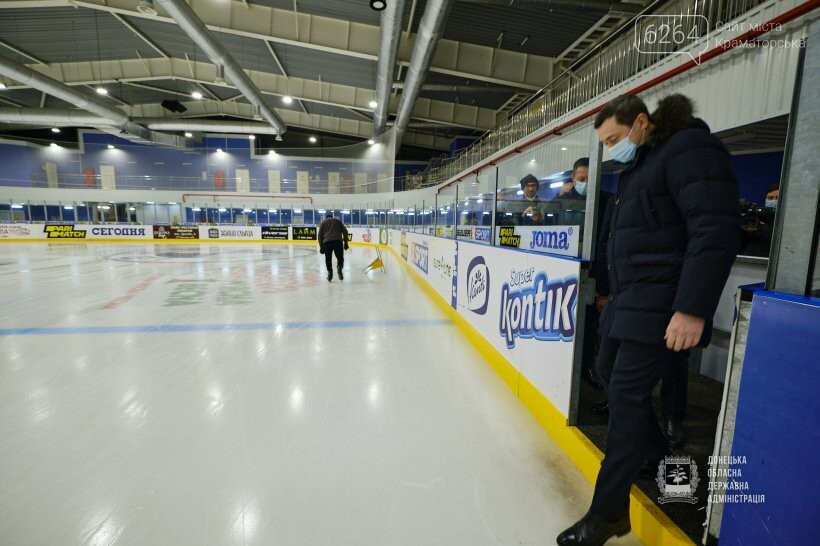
<point x="649" y="523"/>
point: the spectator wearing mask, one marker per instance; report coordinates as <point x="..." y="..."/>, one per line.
<point x="673" y="238"/>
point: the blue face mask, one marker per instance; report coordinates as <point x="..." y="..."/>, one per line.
<point x="771" y="203"/>
<point x="624" y="151"/>
<point x="581" y="187"/>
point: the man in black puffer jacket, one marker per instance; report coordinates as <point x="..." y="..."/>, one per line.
<point x="672" y="241"/>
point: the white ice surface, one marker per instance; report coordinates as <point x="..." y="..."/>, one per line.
<point x="266" y="406"/>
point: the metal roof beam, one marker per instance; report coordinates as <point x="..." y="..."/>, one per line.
<point x="461" y="59"/>
<point x="22" y="53"/>
<point x="134" y="71"/>
<point x="139" y="34"/>
<point x="330" y="124"/>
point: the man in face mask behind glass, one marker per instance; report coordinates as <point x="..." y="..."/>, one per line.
<point x="671" y="242"/>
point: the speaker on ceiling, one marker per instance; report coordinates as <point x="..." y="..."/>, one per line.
<point x="173" y="106"/>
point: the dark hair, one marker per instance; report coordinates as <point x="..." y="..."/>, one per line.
<point x="529" y="178"/>
<point x="582" y="162"/>
<point x="773" y="187"/>
<point x="625" y="109"/>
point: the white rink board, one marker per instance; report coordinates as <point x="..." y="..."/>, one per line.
<point x="540" y="342"/>
<point x="542" y="354"/>
<point x="20" y="231"/>
<point x="443" y="268"/>
<point x="230" y="233"/>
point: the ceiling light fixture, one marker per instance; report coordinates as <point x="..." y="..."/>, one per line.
<point x="287" y="99"/>
<point x="146" y="7"/>
<point x="188" y="134"/>
<point x="55" y="130"/>
<point x="372" y="104"/>
<point x="110" y="146"/>
<point x="251" y="137"/>
<point x="371" y="142"/>
<point x="2" y="85"/>
<point x="312" y="139"/>
<point x="524" y="41"/>
<point x="378" y="5"/>
<point x="102" y="90"/>
<point x="197" y="95"/>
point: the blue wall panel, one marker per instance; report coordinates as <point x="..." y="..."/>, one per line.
<point x="777" y="425"/>
<point x="146" y="167"/>
<point x="756" y="172"/>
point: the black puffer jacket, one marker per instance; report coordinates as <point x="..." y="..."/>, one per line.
<point x="674" y="228"/>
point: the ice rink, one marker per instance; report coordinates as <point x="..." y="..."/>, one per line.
<point x="224" y="394"/>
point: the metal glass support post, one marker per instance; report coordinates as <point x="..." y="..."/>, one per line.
<point x="586" y="285"/>
<point x="455" y="216"/>
<point x="494" y="213"/>
<point x="794" y="242"/>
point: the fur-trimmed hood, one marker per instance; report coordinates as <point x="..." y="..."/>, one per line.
<point x="672" y="114"/>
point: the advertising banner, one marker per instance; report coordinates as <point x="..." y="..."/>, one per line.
<point x="418" y="252"/>
<point x="21" y="231"/>
<point x="176" y="232"/>
<point x="442" y="272"/>
<point x="74" y="231"/>
<point x="247" y="233"/>
<point x="116" y="232"/>
<point x="278" y="233"/>
<point x="304" y="233"/>
<point x="364" y="235"/>
<point x="479" y="234"/>
<point x="561" y="240"/>
<point x="525" y="305"/>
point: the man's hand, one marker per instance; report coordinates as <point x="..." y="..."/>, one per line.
<point x="684" y="331"/>
<point x="600" y="302"/>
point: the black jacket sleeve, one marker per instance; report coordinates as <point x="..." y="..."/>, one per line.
<point x="703" y="185"/>
<point x="321" y="233"/>
<point x="599" y="270"/>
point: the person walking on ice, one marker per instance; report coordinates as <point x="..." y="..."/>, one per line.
<point x="333" y="238"/>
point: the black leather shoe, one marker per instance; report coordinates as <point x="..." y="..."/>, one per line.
<point x="602" y="408"/>
<point x="673" y="431"/>
<point x="591" y="379"/>
<point x="341" y="275"/>
<point x="593" y="530"/>
<point x="329" y="276"/>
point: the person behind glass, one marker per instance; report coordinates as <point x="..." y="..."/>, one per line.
<point x="577" y="185"/>
<point x="577" y="193"/>
<point x="672" y="241"/>
<point x="532" y="214"/>
<point x="758" y="223"/>
<point x="565" y="188"/>
<point x="333" y="239"/>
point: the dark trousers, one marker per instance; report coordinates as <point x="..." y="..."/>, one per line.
<point x="331" y="248"/>
<point x="588" y="357"/>
<point x="630" y="371"/>
<point x="675" y="387"/>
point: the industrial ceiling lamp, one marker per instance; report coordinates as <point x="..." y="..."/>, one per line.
<point x="146" y="7"/>
<point x="378" y="5"/>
